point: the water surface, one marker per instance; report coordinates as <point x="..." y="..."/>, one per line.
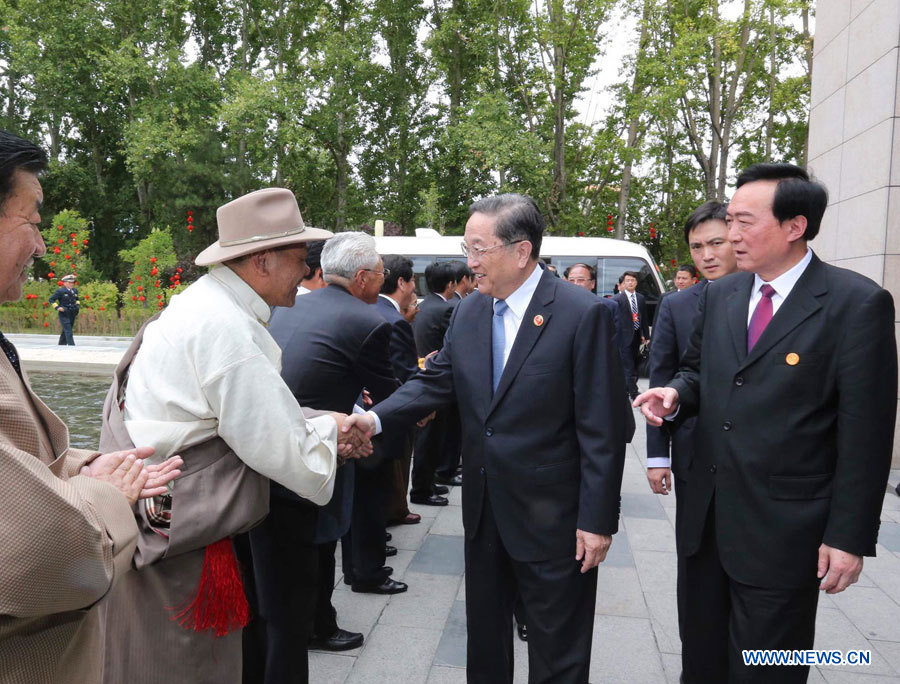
<point x="77" y="399"/>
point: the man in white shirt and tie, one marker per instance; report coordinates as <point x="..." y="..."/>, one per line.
<point x="531" y="362"/>
<point x="634" y="309"/>
<point x="792" y="373"/>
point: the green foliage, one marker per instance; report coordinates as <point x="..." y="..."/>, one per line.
<point x="154" y="272"/>
<point x="399" y="110"/>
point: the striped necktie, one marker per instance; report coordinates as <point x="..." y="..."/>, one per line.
<point x="634" y="311"/>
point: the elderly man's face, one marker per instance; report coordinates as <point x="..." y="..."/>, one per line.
<point x="20" y="239"/>
<point x="497" y="271"/>
<point x="288" y="268"/>
<point x="580" y="276"/>
<point x="371" y="280"/>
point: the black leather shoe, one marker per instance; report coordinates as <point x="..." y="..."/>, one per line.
<point x="341" y="640"/>
<point x="522" y="631"/>
<point x="387" y="569"/>
<point x="388" y="536"/>
<point x="433" y="500"/>
<point x="389" y="586"/>
<point x="455" y="481"/>
<point x="390" y="550"/>
<point x="441" y="489"/>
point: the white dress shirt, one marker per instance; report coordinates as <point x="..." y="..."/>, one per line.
<point x="782" y="285"/>
<point x="209" y="367"/>
<point x="517" y="302"/>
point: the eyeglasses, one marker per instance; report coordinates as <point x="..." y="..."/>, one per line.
<point x="478" y="252"/>
<point x="385" y="271"/>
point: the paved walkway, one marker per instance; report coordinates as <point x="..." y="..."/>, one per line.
<point x="90" y="355"/>
<point x="419" y="636"/>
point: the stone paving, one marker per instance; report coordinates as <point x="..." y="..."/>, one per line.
<point x="420" y="636"/>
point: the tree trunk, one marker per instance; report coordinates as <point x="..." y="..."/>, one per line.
<point x="633" y="124"/>
<point x="770" y="123"/>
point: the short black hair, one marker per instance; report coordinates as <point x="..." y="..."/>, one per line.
<point x="400" y="267"/>
<point x="688" y="268"/>
<point x="518" y="219"/>
<point x="797" y="194"/>
<point x="461" y="270"/>
<point x="633" y="274"/>
<point x="707" y="211"/>
<point x="438" y="275"/>
<point x="591" y="269"/>
<point x="17" y="153"/>
<point x="314" y="257"/>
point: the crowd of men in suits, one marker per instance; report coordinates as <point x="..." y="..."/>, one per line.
<point x="772" y="401"/>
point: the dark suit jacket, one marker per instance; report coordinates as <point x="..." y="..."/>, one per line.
<point x="548" y="446"/>
<point x="671" y="333"/>
<point x="795" y="449"/>
<point x="333" y="345"/>
<point x="404" y="358"/>
<point x="618" y="326"/>
<point x="431" y="323"/>
<point x="625" y="306"/>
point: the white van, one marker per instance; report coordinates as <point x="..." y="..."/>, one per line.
<point x="610" y="257"/>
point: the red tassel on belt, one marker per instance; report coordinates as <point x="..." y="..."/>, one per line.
<point x="220" y="604"/>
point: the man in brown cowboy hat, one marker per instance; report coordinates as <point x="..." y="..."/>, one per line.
<point x="203" y="380"/>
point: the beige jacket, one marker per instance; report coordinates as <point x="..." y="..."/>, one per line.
<point x="64" y="540"/>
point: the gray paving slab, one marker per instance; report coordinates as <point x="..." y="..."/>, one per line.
<point x="870" y="609"/>
<point x="446" y="675"/>
<point x="395" y="654"/>
<point x="455" y="496"/>
<point x="889" y="536"/>
<point x="672" y="667"/>
<point x="664" y="620"/>
<point x="643" y="505"/>
<point x="656" y="570"/>
<point x="619" y="553"/>
<point x="452" y="648"/>
<point x="329" y="668"/>
<point x="648" y="534"/>
<point x="856" y="677"/>
<point x="441" y="555"/>
<point x="358" y="612"/>
<point x="448" y="522"/>
<point x="619" y="592"/>
<point x="624" y="651"/>
<point x="410" y="536"/>
<point x="891" y="652"/>
<point x="884" y="570"/>
<point x="835" y="631"/>
<point x="426" y="604"/>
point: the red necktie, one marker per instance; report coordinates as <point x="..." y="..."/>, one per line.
<point x="761" y="316"/>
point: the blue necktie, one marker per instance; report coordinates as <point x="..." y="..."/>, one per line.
<point x="498" y="341"/>
<point x="11" y="353"/>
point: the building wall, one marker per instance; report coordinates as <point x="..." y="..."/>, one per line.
<point x="854" y="139"/>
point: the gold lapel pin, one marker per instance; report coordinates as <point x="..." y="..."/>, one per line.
<point x="792" y="359"/>
<point x="539" y="320"/>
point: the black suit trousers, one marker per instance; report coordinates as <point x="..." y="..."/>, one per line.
<point x="721" y="617"/>
<point x="630" y="358"/>
<point x="427" y="454"/>
<point x="557" y="602"/>
<point x="282" y="597"/>
<point x="362" y="548"/>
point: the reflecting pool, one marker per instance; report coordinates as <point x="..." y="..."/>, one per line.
<point x="77" y="399"/>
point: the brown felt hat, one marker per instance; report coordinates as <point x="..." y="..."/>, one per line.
<point x="261" y="220"/>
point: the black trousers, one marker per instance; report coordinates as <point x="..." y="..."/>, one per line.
<point x="558" y="604"/>
<point x="630" y="359"/>
<point x="362" y="548"/>
<point x="325" y="621"/>
<point x="723" y="617"/>
<point x="427" y="454"/>
<point x="449" y="462"/>
<point x="285" y="565"/>
<point x="66" y="322"/>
